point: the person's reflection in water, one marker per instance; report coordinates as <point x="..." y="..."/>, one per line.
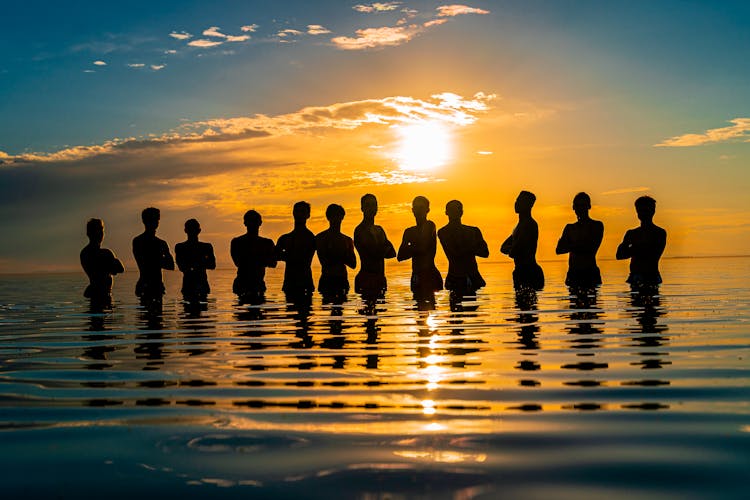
<point x="521" y="245"/>
<point x="644" y="246"/>
<point x="373" y="248"/>
<point x="193" y="259"/>
<point x="99" y="264"/>
<point x="581" y="241"/>
<point x="335" y="253"/>
<point x="296" y="249"/>
<point x="98" y="320"/>
<point x="151" y="319"/>
<point x="152" y="255"/>
<point x="195" y="326"/>
<point x="462" y="245"/>
<point x="650" y="340"/>
<point x="419" y="244"/>
<point x="585" y="327"/>
<point x="528" y="327"/>
<point x="252" y="254"/>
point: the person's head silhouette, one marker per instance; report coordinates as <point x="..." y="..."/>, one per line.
<point x="525" y="202"/>
<point x="150" y="217"/>
<point x="95" y="230"/>
<point x="253" y="221"/>
<point x="454" y="209"/>
<point x="335" y="214"/>
<point x="581" y="204"/>
<point x="420" y="207"/>
<point x="192" y="228"/>
<point x="369" y="205"/>
<point x="301" y="211"/>
<point x="645" y="207"/>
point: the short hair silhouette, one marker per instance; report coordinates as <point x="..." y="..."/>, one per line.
<point x="252" y="219"/>
<point x="527" y="198"/>
<point x="335" y="211"/>
<point x="94" y="227"/>
<point x="301" y="209"/>
<point x="421" y="200"/>
<point x="192" y="226"/>
<point x="150" y="215"/>
<point x="454" y="208"/>
<point x="366" y="197"/>
<point x="582" y="198"/>
<point x="645" y="204"/>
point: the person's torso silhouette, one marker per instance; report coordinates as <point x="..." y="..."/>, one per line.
<point x="193" y="259"/>
<point x="373" y="248"/>
<point x="521" y="246"/>
<point x="419" y="243"/>
<point x="581" y="241"/>
<point x="335" y="253"/>
<point x="252" y="254"/>
<point x="152" y="255"/>
<point x="462" y="244"/>
<point x="297" y="249"/>
<point x="99" y="264"/>
<point x="644" y="246"/>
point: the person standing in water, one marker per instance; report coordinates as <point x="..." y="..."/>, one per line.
<point x="296" y="249"/>
<point x="419" y="244"/>
<point x="462" y="245"/>
<point x="252" y="254"/>
<point x="335" y="253"/>
<point x="644" y="246"/>
<point x="581" y="241"/>
<point x="152" y="255"/>
<point x="521" y="246"/>
<point x="99" y="264"/>
<point x="193" y="259"/>
<point x="373" y="247"/>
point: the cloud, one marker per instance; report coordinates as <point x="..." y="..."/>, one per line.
<point x="203" y="43"/>
<point x="628" y="190"/>
<point x="99" y="63"/>
<point x="136" y="65"/>
<point x="250" y="28"/>
<point x="485" y="153"/>
<point x="740" y="129"/>
<point x="377" y="7"/>
<point x="214" y="31"/>
<point x="458" y="10"/>
<point x="317" y="29"/>
<point x="181" y="35"/>
<point x="157" y="67"/>
<point x="237" y="38"/>
<point x="288" y="32"/>
<point x="371" y="38"/>
<point x="435" y="22"/>
<point x="171" y="51"/>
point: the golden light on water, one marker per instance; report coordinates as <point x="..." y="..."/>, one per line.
<point x="423" y="146"/>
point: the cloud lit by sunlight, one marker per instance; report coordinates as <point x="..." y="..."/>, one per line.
<point x="423" y="146"/>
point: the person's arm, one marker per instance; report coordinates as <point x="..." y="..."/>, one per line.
<point x="271" y="255"/>
<point x="388" y="251"/>
<point x="406" y="250"/>
<point x="210" y="260"/>
<point x="596" y="240"/>
<point x="281" y="248"/>
<point x="563" y="244"/>
<point x="624" y="250"/>
<point x="167" y="262"/>
<point x="116" y="266"/>
<point x="179" y="257"/>
<point x="480" y="249"/>
<point x="524" y="239"/>
<point x="507" y="246"/>
<point x="350" y="257"/>
<point x="234" y="251"/>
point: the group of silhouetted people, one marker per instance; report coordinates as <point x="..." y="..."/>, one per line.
<point x="462" y="244"/>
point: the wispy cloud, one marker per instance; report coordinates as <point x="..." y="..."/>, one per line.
<point x="250" y="28"/>
<point x="288" y="32"/>
<point x="157" y="67"/>
<point x="435" y="22"/>
<point x="99" y="63"/>
<point x="371" y="38"/>
<point x="317" y="29"/>
<point x="203" y="43"/>
<point x="214" y="31"/>
<point x="458" y="10"/>
<point x="627" y="190"/>
<point x="377" y="7"/>
<point x="740" y="129"/>
<point x="180" y="35"/>
<point x="136" y="65"/>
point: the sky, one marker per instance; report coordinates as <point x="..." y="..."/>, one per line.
<point x="208" y="109"/>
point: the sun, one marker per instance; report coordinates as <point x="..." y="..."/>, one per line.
<point x="423" y="146"/>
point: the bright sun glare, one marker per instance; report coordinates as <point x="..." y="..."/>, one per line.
<point x="423" y="146"/>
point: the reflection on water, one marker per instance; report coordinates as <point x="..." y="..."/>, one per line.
<point x="455" y="382"/>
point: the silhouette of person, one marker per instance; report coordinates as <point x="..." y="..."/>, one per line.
<point x="644" y="246"/>
<point x="152" y="255"/>
<point x="193" y="259"/>
<point x="335" y="253"/>
<point x="373" y="248"/>
<point x="419" y="244"/>
<point x="99" y="264"/>
<point x="296" y="249"/>
<point x="252" y="254"/>
<point x="462" y="245"/>
<point x="521" y="245"/>
<point x="581" y="241"/>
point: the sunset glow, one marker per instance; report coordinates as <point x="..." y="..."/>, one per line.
<point x="423" y="146"/>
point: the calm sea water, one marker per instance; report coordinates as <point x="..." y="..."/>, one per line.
<point x="616" y="396"/>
